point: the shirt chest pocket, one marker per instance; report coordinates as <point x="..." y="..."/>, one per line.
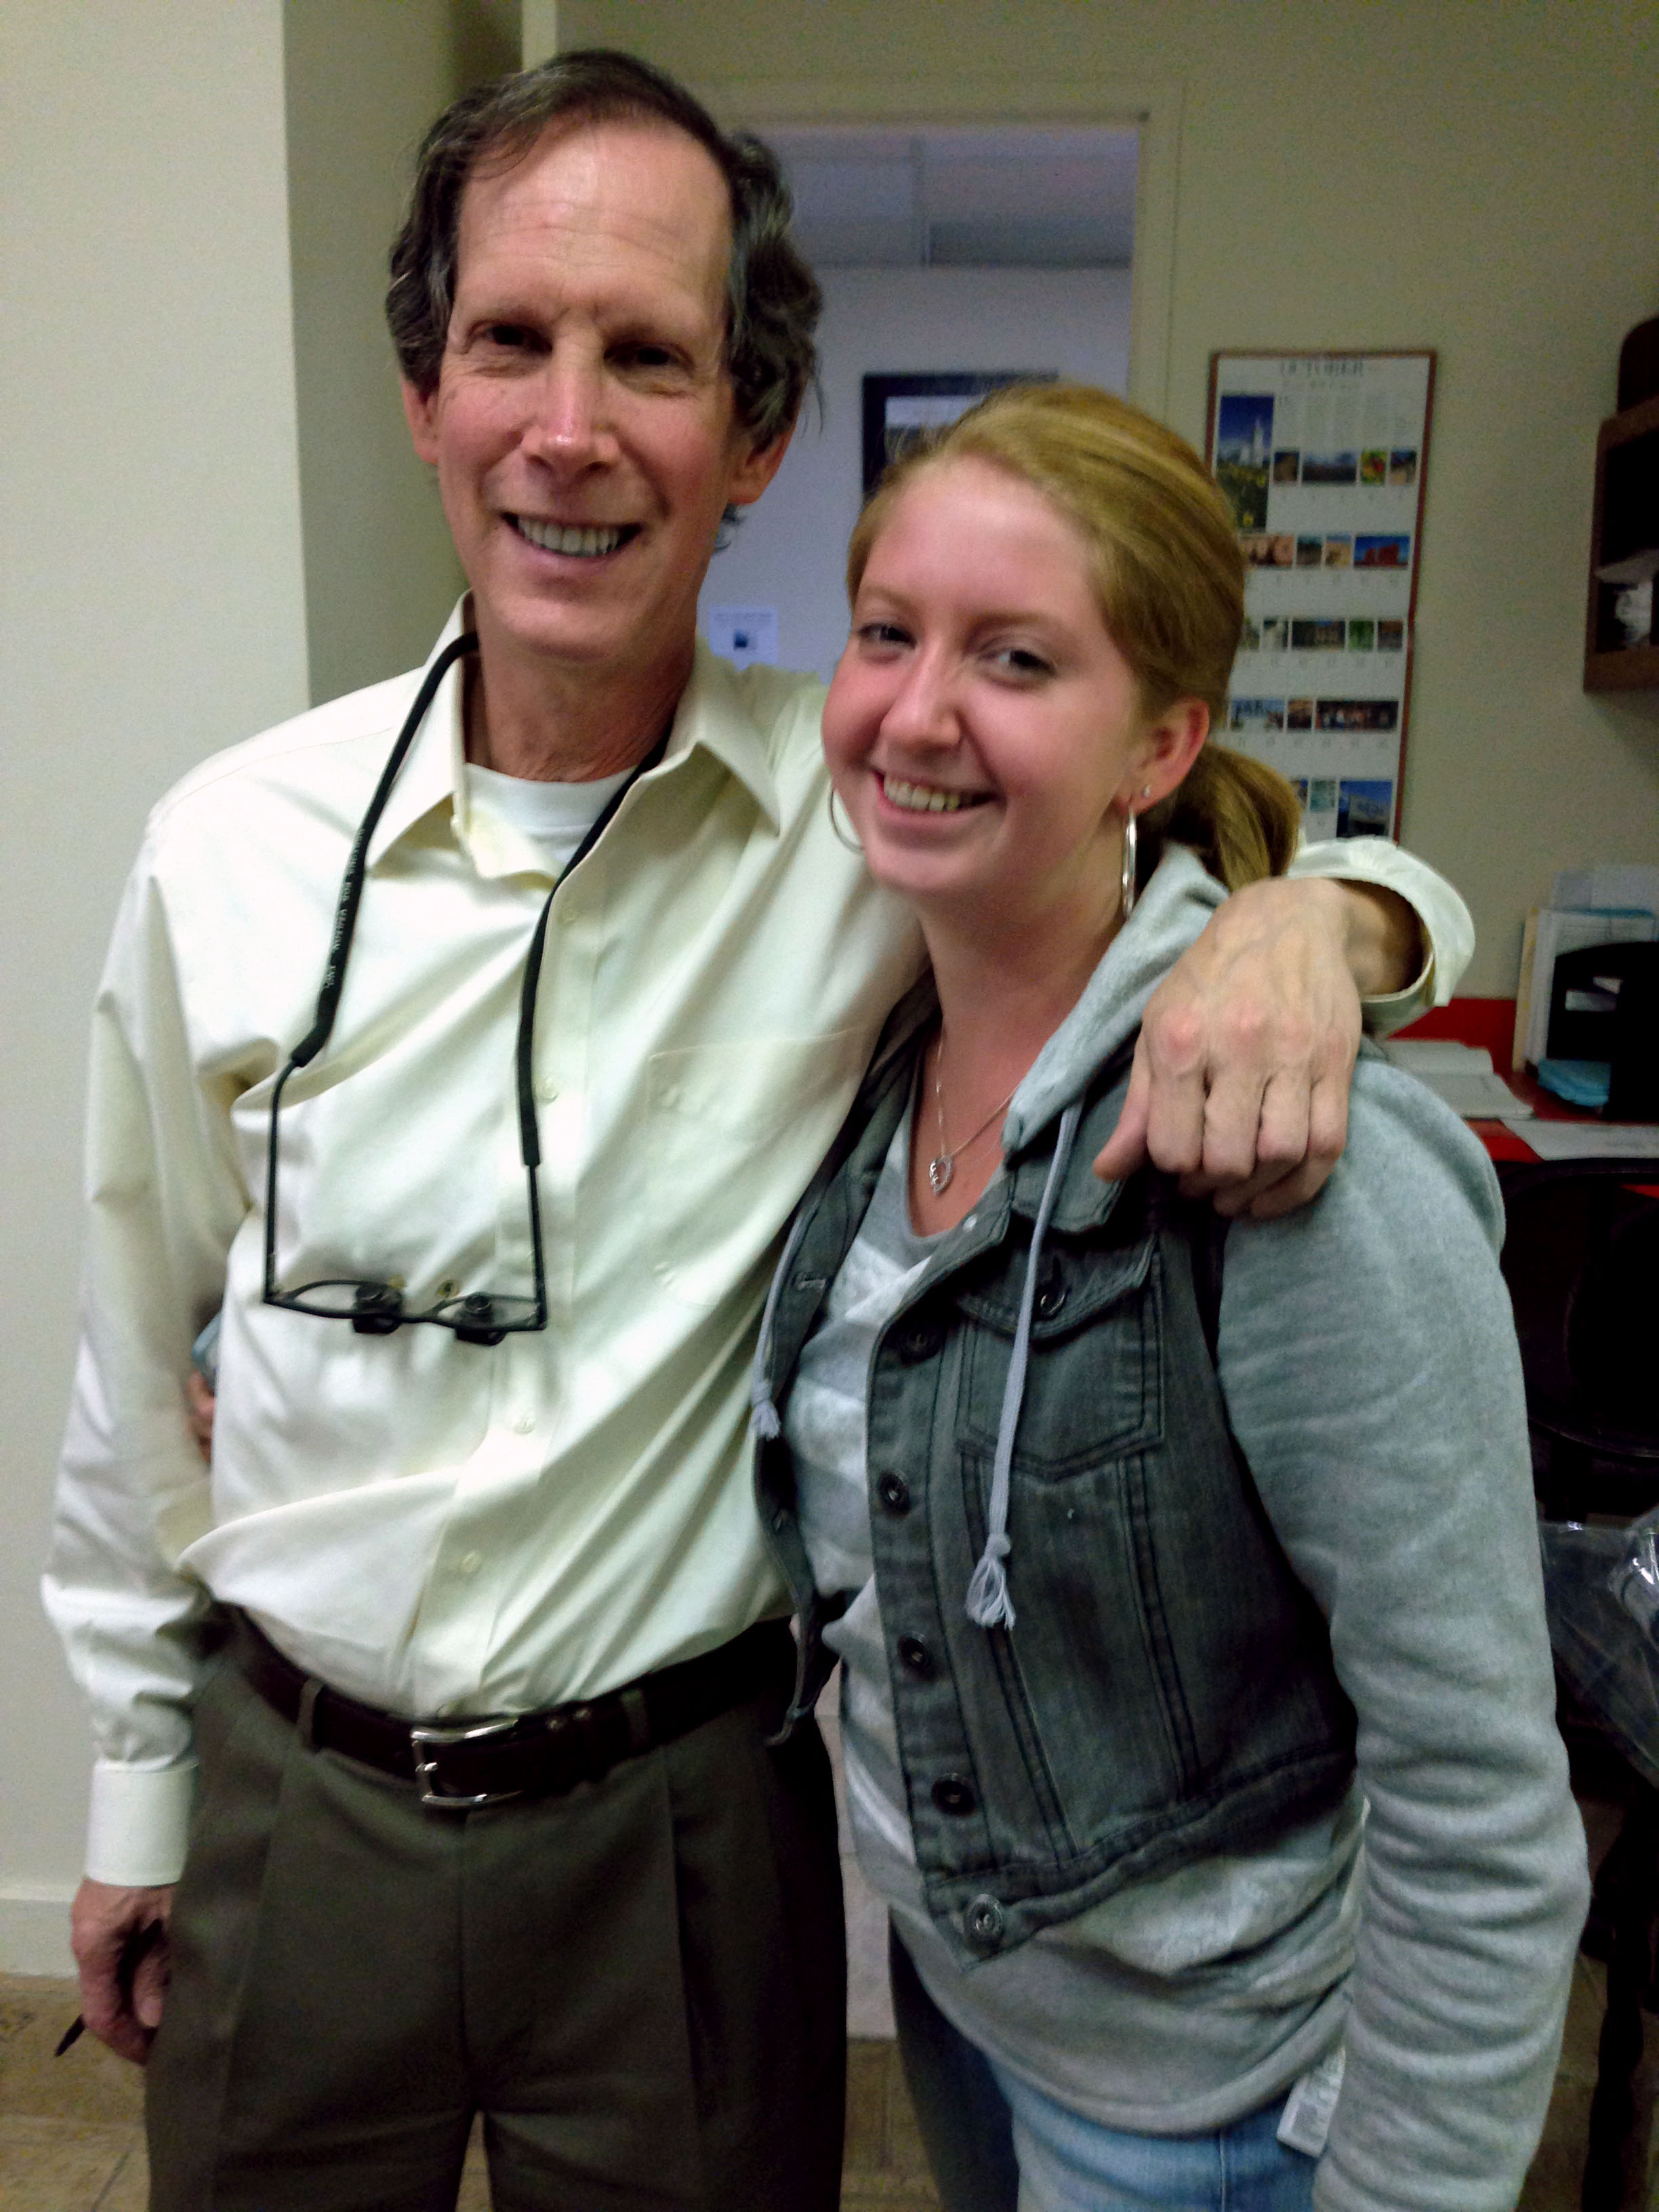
<point x="1092" y="1388"/>
<point x="733" y="1134"/>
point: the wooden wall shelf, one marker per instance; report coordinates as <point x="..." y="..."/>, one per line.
<point x="1635" y="668"/>
<point x="1626" y="521"/>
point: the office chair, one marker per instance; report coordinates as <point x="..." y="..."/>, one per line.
<point x="1581" y="1257"/>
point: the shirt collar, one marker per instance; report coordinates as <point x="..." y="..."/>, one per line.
<point x="715" y="716"/>
<point x="712" y="717"/>
<point x="431" y="775"/>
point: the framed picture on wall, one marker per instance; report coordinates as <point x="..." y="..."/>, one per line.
<point x="1322" y="458"/>
<point x="899" y="410"/>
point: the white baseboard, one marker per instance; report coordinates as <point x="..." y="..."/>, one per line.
<point x="34" y="1932"/>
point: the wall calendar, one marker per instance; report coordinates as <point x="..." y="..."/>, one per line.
<point x="1321" y="457"/>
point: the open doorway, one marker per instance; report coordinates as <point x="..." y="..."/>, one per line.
<point x="940" y="248"/>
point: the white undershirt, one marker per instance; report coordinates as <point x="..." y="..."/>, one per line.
<point x="554" y="818"/>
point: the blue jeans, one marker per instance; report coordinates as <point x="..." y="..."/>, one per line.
<point x="995" y="2144"/>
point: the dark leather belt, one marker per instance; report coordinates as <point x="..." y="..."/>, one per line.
<point x="461" y="1764"/>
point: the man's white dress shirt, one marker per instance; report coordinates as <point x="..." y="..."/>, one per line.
<point x="439" y="1527"/>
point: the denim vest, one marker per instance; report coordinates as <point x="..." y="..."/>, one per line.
<point x="1166" y="1692"/>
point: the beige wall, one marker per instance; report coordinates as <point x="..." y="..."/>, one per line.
<point x="1475" y="175"/>
<point x="153" y="608"/>
<point x="362" y="82"/>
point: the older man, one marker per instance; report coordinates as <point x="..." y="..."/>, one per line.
<point x="468" y="1652"/>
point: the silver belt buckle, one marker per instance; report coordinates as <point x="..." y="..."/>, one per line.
<point x="426" y="1738"/>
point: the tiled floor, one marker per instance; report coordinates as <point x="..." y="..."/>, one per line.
<point x="69" y="2138"/>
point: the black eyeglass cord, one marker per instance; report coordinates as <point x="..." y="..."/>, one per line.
<point x="377" y="1308"/>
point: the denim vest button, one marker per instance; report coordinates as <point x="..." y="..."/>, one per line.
<point x="894" y="1492"/>
<point x="954" y="1793"/>
<point x="922" y="1339"/>
<point x="1051" y="1292"/>
<point x="983" y="1923"/>
<point x="914" y="1656"/>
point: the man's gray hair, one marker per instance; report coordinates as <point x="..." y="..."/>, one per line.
<point x="773" y="297"/>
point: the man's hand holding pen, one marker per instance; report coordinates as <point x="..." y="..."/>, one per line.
<point x="119" y="1938"/>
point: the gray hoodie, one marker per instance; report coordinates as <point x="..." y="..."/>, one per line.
<point x="1370" y="1376"/>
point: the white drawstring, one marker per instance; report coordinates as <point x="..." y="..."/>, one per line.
<point x="989" y="1605"/>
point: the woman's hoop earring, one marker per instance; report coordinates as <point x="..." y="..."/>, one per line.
<point x="1131" y="838"/>
<point x="842" y="836"/>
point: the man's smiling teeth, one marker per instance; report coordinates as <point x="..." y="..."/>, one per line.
<point x="927" y="797"/>
<point x="555" y="538"/>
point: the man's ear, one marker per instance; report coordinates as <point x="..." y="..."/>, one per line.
<point x="420" y="412"/>
<point x="754" y="469"/>
<point x="1168" y="748"/>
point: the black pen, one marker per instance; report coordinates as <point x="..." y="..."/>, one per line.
<point x="138" y="1946"/>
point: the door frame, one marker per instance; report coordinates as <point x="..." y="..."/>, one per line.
<point x="1154" y="105"/>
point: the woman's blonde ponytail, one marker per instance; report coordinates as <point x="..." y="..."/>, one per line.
<point x="1239" y="815"/>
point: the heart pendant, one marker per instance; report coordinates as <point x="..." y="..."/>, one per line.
<point x="939" y="1172"/>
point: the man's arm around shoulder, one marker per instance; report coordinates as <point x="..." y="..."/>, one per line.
<point x="1240" y="1077"/>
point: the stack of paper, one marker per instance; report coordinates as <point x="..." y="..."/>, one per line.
<point x="1461" y="1075"/>
<point x="1591" y="1140"/>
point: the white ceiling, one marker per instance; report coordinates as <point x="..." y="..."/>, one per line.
<point x="1015" y="197"/>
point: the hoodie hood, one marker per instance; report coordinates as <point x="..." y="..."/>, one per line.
<point x="1170" y="913"/>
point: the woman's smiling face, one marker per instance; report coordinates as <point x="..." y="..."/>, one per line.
<point x="982" y="723"/>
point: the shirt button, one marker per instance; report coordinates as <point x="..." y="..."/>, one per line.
<point x="523" y="1423"/>
<point x="983" y="1923"/>
<point x="468" y="1563"/>
<point x="894" y="1492"/>
<point x="954" y="1794"/>
<point x="914" y="1656"/>
<point x="547" y="1089"/>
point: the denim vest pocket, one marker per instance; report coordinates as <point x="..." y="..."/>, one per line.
<point x="1092" y="1687"/>
<point x="1092" y="1388"/>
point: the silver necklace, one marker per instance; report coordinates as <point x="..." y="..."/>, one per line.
<point x="942" y="1165"/>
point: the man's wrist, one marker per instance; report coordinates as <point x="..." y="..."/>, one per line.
<point x="1381" y="936"/>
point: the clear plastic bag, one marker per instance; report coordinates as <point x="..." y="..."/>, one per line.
<point x="1601" y="1588"/>
<point x="1635" y="1580"/>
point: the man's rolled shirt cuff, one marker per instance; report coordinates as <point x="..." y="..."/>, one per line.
<point x="138" y="1823"/>
<point x="1383" y="1016"/>
<point x="1447" y="925"/>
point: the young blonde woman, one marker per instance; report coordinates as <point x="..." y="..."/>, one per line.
<point x="1197" y="1703"/>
